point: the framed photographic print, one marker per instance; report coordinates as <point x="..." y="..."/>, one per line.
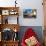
<point x="12" y="12"/>
<point x="29" y="13"/>
<point x="5" y="12"/>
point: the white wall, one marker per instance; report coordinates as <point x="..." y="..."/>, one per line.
<point x="33" y="4"/>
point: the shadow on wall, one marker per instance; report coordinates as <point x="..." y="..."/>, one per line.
<point x="37" y="29"/>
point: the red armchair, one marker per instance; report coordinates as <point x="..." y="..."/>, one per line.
<point x="30" y="39"/>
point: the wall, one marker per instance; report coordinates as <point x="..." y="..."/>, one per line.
<point x="36" y="29"/>
<point x="37" y="4"/>
<point x="33" y="4"/>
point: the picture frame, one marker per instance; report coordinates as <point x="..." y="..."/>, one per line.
<point x="12" y="12"/>
<point x="5" y="12"/>
<point x="29" y="13"/>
